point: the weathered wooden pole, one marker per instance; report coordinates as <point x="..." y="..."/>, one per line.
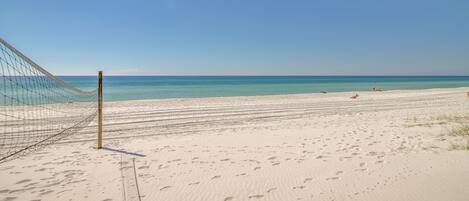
<point x="100" y="109"/>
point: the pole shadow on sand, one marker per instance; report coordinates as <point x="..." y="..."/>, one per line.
<point x="129" y="176"/>
<point x="123" y="152"/>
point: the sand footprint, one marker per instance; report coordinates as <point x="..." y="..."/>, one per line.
<point x="307" y="180"/>
<point x="144" y="167"/>
<point x="23" y="181"/>
<point x="228" y="198"/>
<point x="40" y="170"/>
<point x="216" y="177"/>
<point x="271" y="189"/>
<point x="164" y="188"/>
<point x="46" y="192"/>
<point x="319" y="157"/>
<point x="195" y="183"/>
<point x="299" y="187"/>
<point x="256" y="196"/>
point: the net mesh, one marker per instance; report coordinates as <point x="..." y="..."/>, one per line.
<point x="36" y="107"/>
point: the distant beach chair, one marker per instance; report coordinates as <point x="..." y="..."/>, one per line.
<point x="324" y="92"/>
<point x="355" y="97"/>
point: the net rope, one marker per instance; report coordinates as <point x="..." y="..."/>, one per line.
<point x="36" y="107"/>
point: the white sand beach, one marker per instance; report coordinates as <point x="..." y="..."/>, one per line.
<point x="392" y="145"/>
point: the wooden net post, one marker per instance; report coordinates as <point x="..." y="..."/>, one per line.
<point x="100" y="109"/>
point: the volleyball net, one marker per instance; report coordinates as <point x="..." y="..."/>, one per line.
<point x="36" y="107"/>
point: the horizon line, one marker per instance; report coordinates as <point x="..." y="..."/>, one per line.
<point x="264" y="75"/>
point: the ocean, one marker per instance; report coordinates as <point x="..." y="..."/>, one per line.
<point x="117" y="88"/>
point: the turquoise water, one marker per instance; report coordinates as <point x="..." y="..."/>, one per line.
<point x="159" y="87"/>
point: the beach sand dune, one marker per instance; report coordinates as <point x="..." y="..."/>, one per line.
<point x="393" y="145"/>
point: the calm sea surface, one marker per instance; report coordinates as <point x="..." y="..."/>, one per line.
<point x="159" y="87"/>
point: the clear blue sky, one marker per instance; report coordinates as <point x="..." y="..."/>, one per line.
<point x="241" y="37"/>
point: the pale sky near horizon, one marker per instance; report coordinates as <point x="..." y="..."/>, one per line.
<point x="241" y="37"/>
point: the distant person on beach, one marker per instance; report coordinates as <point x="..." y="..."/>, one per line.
<point x="378" y="89"/>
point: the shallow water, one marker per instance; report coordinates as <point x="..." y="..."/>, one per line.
<point x="160" y="87"/>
